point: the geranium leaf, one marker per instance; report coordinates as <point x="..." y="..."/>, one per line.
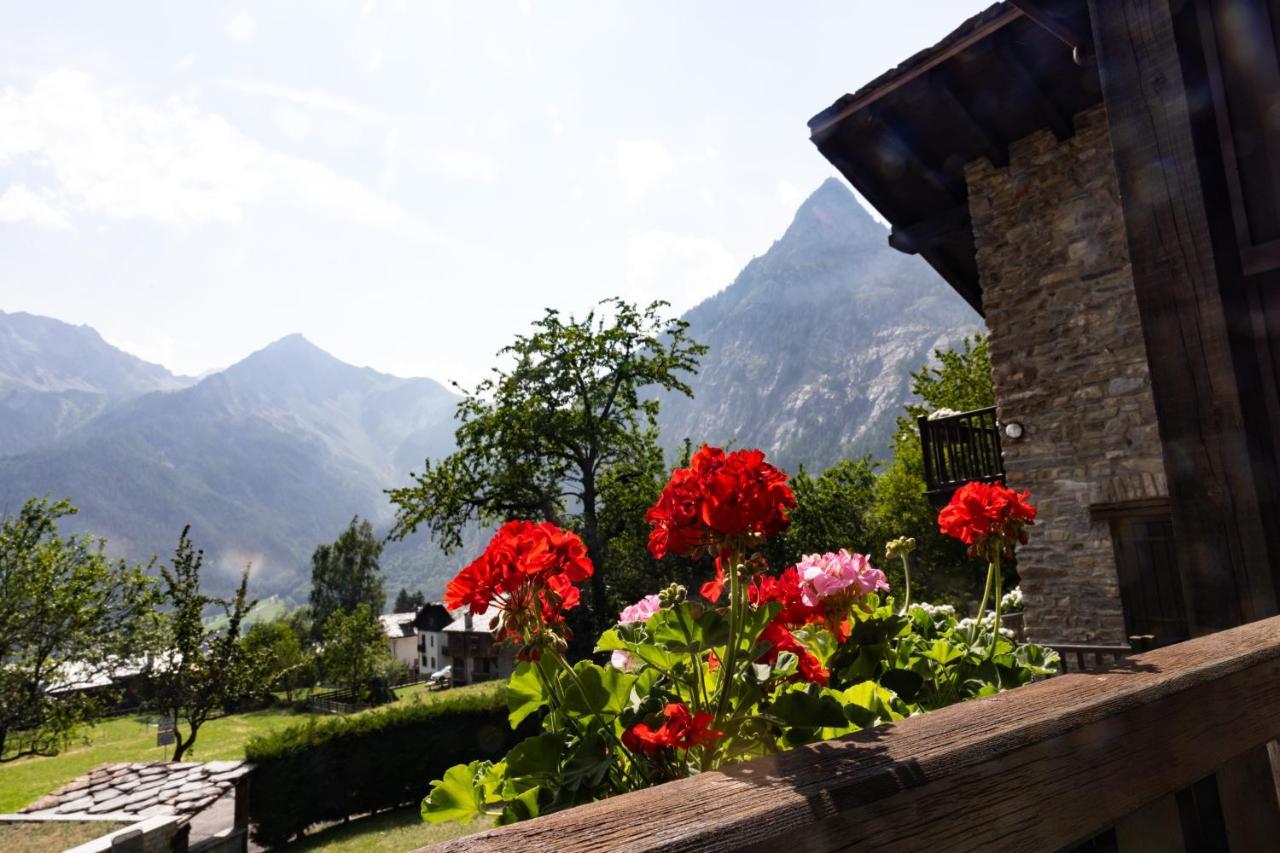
<point x="904" y="682"/>
<point x="521" y="808"/>
<point x="455" y="797"/>
<point x="588" y="763"/>
<point x="525" y="694"/>
<point x="809" y="707"/>
<point x="535" y="756"/>
<point x="597" y="691"/>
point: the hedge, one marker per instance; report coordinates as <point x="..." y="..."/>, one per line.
<point x="332" y="768"/>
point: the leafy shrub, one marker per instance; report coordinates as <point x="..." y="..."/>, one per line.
<point x="331" y="768"/>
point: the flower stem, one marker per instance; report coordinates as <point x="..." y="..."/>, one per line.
<point x="986" y="593"/>
<point x="906" y="574"/>
<point x="731" y="656"/>
<point x="999" y="582"/>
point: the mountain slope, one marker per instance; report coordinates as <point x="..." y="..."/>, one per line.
<point x="55" y="377"/>
<point x="812" y="344"/>
<point x="265" y="460"/>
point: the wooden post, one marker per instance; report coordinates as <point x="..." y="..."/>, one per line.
<point x="1217" y="519"/>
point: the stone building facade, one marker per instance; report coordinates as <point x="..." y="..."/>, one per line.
<point x="1070" y="366"/>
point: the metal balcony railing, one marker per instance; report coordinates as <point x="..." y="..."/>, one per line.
<point x="959" y="449"/>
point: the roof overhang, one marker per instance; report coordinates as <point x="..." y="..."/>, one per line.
<point x="904" y="139"/>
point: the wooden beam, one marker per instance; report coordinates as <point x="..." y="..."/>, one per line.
<point x="1080" y="43"/>
<point x="894" y="132"/>
<point x="996" y="149"/>
<point x="1038" y="768"/>
<point x="1059" y="121"/>
<point x="899" y="80"/>
<point x="916" y="238"/>
<point x="1218" y="527"/>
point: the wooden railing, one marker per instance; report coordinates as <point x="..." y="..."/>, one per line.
<point x="1045" y="767"/>
<point x="958" y="449"/>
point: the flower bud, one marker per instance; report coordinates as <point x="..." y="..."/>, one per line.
<point x="673" y="596"/>
<point x="899" y="547"/>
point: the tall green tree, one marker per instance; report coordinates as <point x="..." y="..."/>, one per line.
<point x="355" y="650"/>
<point x="833" y="511"/>
<point x="346" y="574"/>
<point x="200" y="672"/>
<point x="538" y="438"/>
<point x="68" y="616"/>
<point x="288" y="662"/>
<point x="407" y="602"/>
<point x="960" y="381"/>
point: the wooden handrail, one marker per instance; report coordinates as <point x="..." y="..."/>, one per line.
<point x="1037" y="768"/>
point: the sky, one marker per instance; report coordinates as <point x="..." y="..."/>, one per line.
<point x="408" y="184"/>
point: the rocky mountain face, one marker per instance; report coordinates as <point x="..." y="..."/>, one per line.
<point x="265" y="460"/>
<point x="812" y="345"/>
<point x="55" y="377"/>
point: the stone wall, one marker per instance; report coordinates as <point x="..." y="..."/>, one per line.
<point x="1069" y="365"/>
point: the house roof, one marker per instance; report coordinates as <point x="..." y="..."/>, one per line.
<point x="904" y="139"/>
<point x="399" y="625"/>
<point x="481" y="623"/>
<point x="142" y="789"/>
<point x="432" y="616"/>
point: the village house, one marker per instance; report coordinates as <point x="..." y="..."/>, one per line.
<point x="1117" y="223"/>
<point x="402" y="637"/>
<point x="430" y="621"/>
<point x="472" y="651"/>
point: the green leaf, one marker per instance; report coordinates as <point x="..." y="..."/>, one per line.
<point x="678" y="629"/>
<point x="611" y="641"/>
<point x="535" y="756"/>
<point x="942" y="652"/>
<point x="904" y="682"/>
<point x="868" y="704"/>
<point x="588" y="764"/>
<point x="455" y="797"/>
<point x="809" y="706"/>
<point x="754" y="622"/>
<point x="526" y="693"/>
<point x="520" y="808"/>
<point x="598" y="692"/>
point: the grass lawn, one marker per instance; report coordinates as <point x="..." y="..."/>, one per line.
<point x="389" y="832"/>
<point x="130" y="739"/>
<point x="134" y="739"/>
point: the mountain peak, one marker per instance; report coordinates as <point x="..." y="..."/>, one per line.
<point x="832" y="210"/>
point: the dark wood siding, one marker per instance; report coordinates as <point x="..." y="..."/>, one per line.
<point x="1242" y="58"/>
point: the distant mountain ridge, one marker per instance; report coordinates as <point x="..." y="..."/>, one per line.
<point x="811" y="346"/>
<point x="265" y="460"/>
<point x="55" y="377"/>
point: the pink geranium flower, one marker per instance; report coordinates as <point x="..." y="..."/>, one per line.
<point x="825" y="575"/>
<point x="641" y="610"/>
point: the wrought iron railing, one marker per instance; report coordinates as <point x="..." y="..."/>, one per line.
<point x="959" y="449"/>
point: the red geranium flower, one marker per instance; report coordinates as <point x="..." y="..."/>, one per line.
<point x="528" y="570"/>
<point x="986" y="516"/>
<point x="679" y="730"/>
<point x="782" y="640"/>
<point x="718" y="497"/>
<point x="786" y="590"/>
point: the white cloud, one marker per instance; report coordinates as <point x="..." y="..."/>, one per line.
<point x="242" y="27"/>
<point x="676" y="267"/>
<point x="19" y="204"/>
<point x="640" y="165"/>
<point x="101" y="153"/>
<point x="309" y="98"/>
